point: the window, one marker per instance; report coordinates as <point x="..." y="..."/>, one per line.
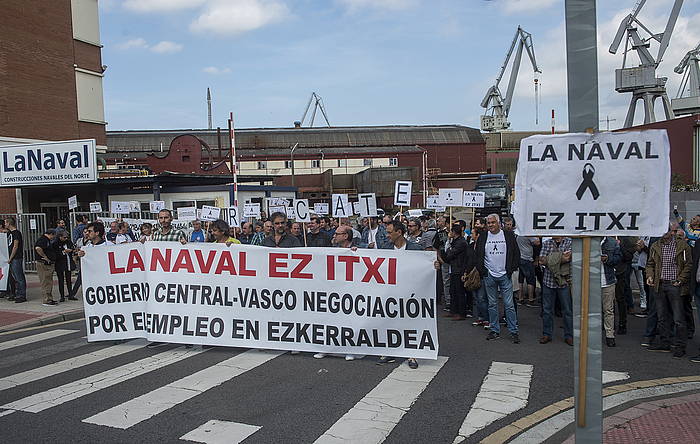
<point x="367" y="162"/>
<point x="287" y="164"/>
<point x="315" y="163"/>
<point x="89" y="93"/>
<point x="393" y="161"/>
<point x="342" y="163"/>
<point x="86" y="24"/>
<point x="262" y="165"/>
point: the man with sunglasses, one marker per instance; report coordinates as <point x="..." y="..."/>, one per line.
<point x="280" y="238"/>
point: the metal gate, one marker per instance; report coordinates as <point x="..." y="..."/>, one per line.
<point x="32" y="226"/>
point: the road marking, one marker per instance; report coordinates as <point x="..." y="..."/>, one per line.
<point x="35" y="338"/>
<point x="375" y="416"/>
<point x="69" y="364"/>
<point x="150" y="404"/>
<point x="610" y="376"/>
<point x="505" y="390"/>
<point x="220" y="432"/>
<point x="38" y="327"/>
<point x="73" y="390"/>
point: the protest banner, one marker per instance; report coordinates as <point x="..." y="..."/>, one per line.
<point x="210" y="213"/>
<point x="156" y="206"/>
<point x="301" y="210"/>
<point x="402" y="193"/>
<point x="73" y="202"/>
<point x="368" y="204"/>
<point x="49" y="163"/>
<point x="603" y="184"/>
<point x="368" y="302"/>
<point x="117" y="207"/>
<point x="473" y="199"/>
<point x="340" y="205"/>
<point x="321" y="209"/>
<point x="251" y="210"/>
<point x="135" y="224"/>
<point x="4" y="265"/>
<point x="187" y="213"/>
<point x="95" y="207"/>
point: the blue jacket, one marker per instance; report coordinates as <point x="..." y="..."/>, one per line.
<point x="382" y="240"/>
<point x="610" y="248"/>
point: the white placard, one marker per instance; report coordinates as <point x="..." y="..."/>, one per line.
<point x="234" y="219"/>
<point x="48" y="163"/>
<point x="210" y="213"/>
<point x="32" y="224"/>
<point x="251" y="210"/>
<point x="450" y="197"/>
<point x="278" y="202"/>
<point x="367" y="204"/>
<point x="119" y="207"/>
<point x="401" y="323"/>
<point x="473" y="199"/>
<point x="73" y="202"/>
<point x="156" y="206"/>
<point x="321" y="209"/>
<point x="187" y="213"/>
<point x="301" y="210"/>
<point x="602" y="184"/>
<point x="402" y="193"/>
<point x="433" y="203"/>
<point x="95" y="207"/>
<point x="134" y="206"/>
<point x="415" y="213"/>
<point x="290" y="213"/>
<point x="340" y="205"/>
<point x="273" y="210"/>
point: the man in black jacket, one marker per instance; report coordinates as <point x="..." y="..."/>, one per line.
<point x="460" y="257"/>
<point x="497" y="257"/>
<point x="315" y="237"/>
<point x="623" y="291"/>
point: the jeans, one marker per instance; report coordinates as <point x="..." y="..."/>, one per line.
<point x="638" y="274"/>
<point x="445" y="269"/>
<point x="482" y="303"/>
<point x="669" y="305"/>
<point x="504" y="286"/>
<point x="549" y="295"/>
<point x="17" y="273"/>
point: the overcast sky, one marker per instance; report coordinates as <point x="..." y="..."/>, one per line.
<point x="373" y="62"/>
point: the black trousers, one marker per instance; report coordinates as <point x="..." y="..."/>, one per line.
<point x="669" y="306"/>
<point x="621" y="301"/>
<point x="63" y="272"/>
<point x="458" y="295"/>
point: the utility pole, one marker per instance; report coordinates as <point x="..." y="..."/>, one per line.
<point x="209" y="108"/>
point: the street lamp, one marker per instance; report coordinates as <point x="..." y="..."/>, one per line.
<point x="292" y="157"/>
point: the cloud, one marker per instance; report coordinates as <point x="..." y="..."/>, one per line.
<point x="166" y="47"/>
<point x="213" y="70"/>
<point x="162" y="47"/>
<point x="354" y="6"/>
<point x="231" y="17"/>
<point x="160" y="5"/>
<point x="520" y="6"/>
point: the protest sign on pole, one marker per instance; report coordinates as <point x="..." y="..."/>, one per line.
<point x="156" y="206"/>
<point x="118" y="207"/>
<point x="234" y="219"/>
<point x="301" y="210"/>
<point x="321" y="209"/>
<point x="268" y="298"/>
<point x="473" y="199"/>
<point x="73" y="202"/>
<point x="280" y="209"/>
<point x="368" y="204"/>
<point x="433" y="203"/>
<point x="450" y="197"/>
<point x="402" y="193"/>
<point x="95" y="207"/>
<point x="289" y="211"/>
<point x="187" y="213"/>
<point x="340" y="205"/>
<point x="210" y="213"/>
<point x="251" y="210"/>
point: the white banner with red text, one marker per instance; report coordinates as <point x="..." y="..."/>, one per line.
<point x="364" y="302"/>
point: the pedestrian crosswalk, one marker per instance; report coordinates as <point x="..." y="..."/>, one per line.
<point x="104" y="370"/>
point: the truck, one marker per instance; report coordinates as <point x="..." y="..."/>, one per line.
<point x="496" y="189"/>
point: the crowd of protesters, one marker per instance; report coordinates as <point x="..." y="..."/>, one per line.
<point x="475" y="267"/>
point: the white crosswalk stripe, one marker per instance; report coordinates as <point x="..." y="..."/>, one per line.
<point x="220" y="432"/>
<point x="46" y="371"/>
<point x="146" y="406"/>
<point x="34" y="338"/>
<point x="73" y="390"/>
<point x="375" y="416"/>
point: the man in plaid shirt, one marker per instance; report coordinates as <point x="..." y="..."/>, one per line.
<point x="259" y="237"/>
<point x="556" y="257"/>
<point x="166" y="232"/>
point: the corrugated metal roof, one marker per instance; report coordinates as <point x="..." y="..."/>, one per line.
<point x="283" y="138"/>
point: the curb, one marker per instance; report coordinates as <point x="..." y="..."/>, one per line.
<point x="45" y="320"/>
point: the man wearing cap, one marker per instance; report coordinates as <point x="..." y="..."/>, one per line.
<point x="45" y="257"/>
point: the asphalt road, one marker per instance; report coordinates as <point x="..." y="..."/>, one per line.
<point x="294" y="398"/>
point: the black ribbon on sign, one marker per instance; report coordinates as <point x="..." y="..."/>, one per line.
<point x="587" y="183"/>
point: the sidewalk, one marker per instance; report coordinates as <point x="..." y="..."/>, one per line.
<point x="32" y="313"/>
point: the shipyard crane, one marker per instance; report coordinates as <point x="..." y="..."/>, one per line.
<point x="641" y="80"/>
<point x="687" y="100"/>
<point x="318" y="104"/>
<point x="497" y="106"/>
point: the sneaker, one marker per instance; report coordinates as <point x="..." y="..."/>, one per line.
<point x="646" y="342"/>
<point x="349" y="357"/>
<point x="694" y="358"/>
<point x="487" y="325"/>
<point x="469" y="315"/>
<point x="531" y="304"/>
<point x="679" y="353"/>
<point x="412" y="363"/>
<point x="641" y="314"/>
<point x="515" y="338"/>
<point x="50" y="303"/>
<point x="386" y="360"/>
<point x="493" y="336"/>
<point x="477" y="323"/>
<point x="660" y="348"/>
<point x="319" y="355"/>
